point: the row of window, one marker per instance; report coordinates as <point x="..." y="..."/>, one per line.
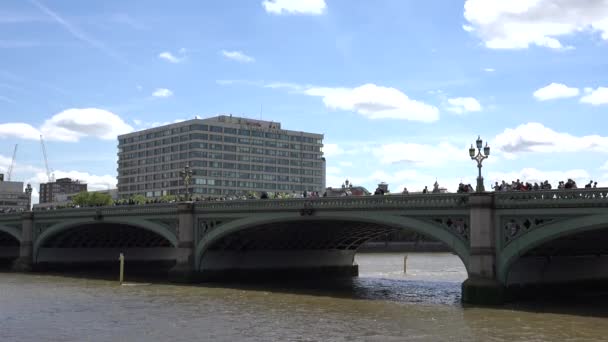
<point x="167" y="145"/>
<point x="123" y="165"/>
<point x="288" y="177"/>
<point x="218" y="129"/>
<point x="243" y="187"/>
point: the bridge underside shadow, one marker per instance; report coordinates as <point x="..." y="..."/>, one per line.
<point x="284" y="250"/>
<point x="98" y="246"/>
<point x="9" y="249"/>
<point x="575" y="261"/>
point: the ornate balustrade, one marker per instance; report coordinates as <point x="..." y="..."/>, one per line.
<point x="427" y="201"/>
<point x="151" y="208"/>
<point x="552" y="198"/>
<point x="7" y="217"/>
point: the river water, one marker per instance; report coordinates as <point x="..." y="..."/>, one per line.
<point x="383" y="304"/>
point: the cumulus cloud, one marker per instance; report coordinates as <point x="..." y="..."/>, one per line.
<point x="162" y="92"/>
<point x="555" y="91"/>
<point x="376" y="102"/>
<point x="171" y="58"/>
<point x="238" y="56"/>
<point x="596" y="97"/>
<point x="312" y="7"/>
<point x="534" y="137"/>
<point x="521" y="23"/>
<point x="461" y="105"/>
<point x="71" y="125"/>
<point x="418" y="154"/>
<point x="19" y="130"/>
<point x="331" y="150"/>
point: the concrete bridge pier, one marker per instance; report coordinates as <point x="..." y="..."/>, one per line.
<point x="482" y="285"/>
<point x="184" y="269"/>
<point x="24" y="263"/>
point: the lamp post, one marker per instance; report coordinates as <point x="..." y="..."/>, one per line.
<point x="28" y="192"/>
<point x="187" y="178"/>
<point x="479" y="158"/>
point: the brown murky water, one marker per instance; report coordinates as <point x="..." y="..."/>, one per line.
<point x="382" y="305"/>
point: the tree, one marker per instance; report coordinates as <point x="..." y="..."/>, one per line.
<point x="138" y="199"/>
<point x="82" y="199"/>
<point x="88" y="199"/>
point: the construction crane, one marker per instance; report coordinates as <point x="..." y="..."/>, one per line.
<point x="46" y="161"/>
<point x="10" y="168"/>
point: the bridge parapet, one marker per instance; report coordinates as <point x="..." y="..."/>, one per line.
<point x="144" y="209"/>
<point x="427" y="201"/>
<point x="562" y="198"/>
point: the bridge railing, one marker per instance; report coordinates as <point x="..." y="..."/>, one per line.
<point x="7" y="217"/>
<point x="161" y="208"/>
<point x="552" y="198"/>
<point x="430" y="201"/>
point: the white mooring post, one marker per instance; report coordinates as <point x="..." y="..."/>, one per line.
<point x="122" y="267"/>
<point x="405" y="264"/>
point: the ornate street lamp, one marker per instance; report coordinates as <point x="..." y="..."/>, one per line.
<point x="28" y="192"/>
<point x="187" y="178"/>
<point x="479" y="158"/>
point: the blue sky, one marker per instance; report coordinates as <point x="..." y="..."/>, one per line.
<point x="399" y="88"/>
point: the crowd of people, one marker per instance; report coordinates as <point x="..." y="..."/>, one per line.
<point x="527" y="186"/>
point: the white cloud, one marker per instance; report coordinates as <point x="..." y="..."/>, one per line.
<point x="75" y="123"/>
<point x="70" y="125"/>
<point x="314" y="7"/>
<point x="331" y="150"/>
<point x="596" y="97"/>
<point x="19" y="130"/>
<point x="237" y="56"/>
<point x="168" y="56"/>
<point x="346" y="163"/>
<point x="462" y="105"/>
<point x="489" y="69"/>
<point x="162" y="92"/>
<point x="418" y="154"/>
<point x="376" y="102"/>
<point x="605" y="166"/>
<point x="555" y="91"/>
<point x="534" y="137"/>
<point x="518" y="24"/>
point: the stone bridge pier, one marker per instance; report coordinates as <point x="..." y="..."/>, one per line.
<point x="184" y="270"/>
<point x="24" y="262"/>
<point x="482" y="285"/>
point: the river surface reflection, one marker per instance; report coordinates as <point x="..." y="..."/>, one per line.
<point x="383" y="304"/>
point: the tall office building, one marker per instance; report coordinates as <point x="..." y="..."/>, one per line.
<point x="227" y="155"/>
<point x="51" y="192"/>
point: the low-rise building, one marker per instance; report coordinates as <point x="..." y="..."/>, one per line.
<point x="13" y="197"/>
<point x="52" y="191"/>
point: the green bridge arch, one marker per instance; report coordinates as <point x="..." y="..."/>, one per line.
<point x="535" y="238"/>
<point x="134" y="222"/>
<point x="458" y="246"/>
<point x="14" y="232"/>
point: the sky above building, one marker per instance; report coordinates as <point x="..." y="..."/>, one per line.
<point x="400" y="89"/>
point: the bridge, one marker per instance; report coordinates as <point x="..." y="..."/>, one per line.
<point x="504" y="239"/>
